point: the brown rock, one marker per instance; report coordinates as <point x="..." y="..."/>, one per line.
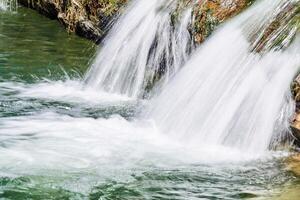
<point x="88" y="19"/>
<point x="293" y="164"/>
<point x="91" y="19"/>
<point x="295" y="127"/>
<point x="211" y="13"/>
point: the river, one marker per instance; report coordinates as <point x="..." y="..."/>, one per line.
<point x="60" y="140"/>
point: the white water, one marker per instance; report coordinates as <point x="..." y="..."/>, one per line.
<point x="141" y="42"/>
<point x="52" y="141"/>
<point x="10" y="5"/>
<point x="63" y="142"/>
<point x="70" y="91"/>
<point x="221" y="105"/>
<point x="3" y="5"/>
<point x="227" y="95"/>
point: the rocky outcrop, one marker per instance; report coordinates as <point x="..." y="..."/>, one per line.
<point x="92" y="18"/>
<point x="209" y="14"/>
<point x="87" y="18"/>
<point x="293" y="164"/>
<point x="295" y="126"/>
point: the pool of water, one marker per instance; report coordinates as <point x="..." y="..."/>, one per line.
<point x="60" y="139"/>
<point x="32" y="45"/>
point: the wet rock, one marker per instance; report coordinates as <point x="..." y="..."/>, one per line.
<point x="45" y="7"/>
<point x="295" y="125"/>
<point x="209" y="14"/>
<point x="295" y="88"/>
<point x="293" y="164"/>
<point x="89" y="30"/>
<point x="90" y="19"/>
<point x="288" y="192"/>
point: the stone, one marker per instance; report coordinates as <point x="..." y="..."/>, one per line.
<point x="89" y="19"/>
<point x="295" y="127"/>
<point x="87" y="29"/>
<point x="293" y="164"/>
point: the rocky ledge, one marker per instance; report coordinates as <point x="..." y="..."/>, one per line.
<point x="293" y="164"/>
<point x="295" y="126"/>
<point x="93" y="18"/>
<point x="88" y="18"/>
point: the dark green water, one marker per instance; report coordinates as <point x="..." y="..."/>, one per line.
<point x="60" y="140"/>
<point x="32" y="45"/>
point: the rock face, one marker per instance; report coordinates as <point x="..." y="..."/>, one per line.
<point x="209" y="14"/>
<point x="293" y="164"/>
<point x="92" y="18"/>
<point x="295" y="126"/>
<point x="87" y="18"/>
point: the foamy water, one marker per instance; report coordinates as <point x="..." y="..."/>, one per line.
<point x="143" y="43"/>
<point x="90" y="141"/>
<point x="69" y="140"/>
<point x="228" y="95"/>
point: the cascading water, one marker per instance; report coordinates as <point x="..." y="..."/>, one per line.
<point x="227" y="95"/>
<point x="3" y="5"/>
<point x="59" y="140"/>
<point x="142" y="45"/>
<point x="10" y="5"/>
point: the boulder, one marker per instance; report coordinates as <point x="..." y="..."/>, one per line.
<point x="293" y="164"/>
<point x="90" y="19"/>
<point x="295" y="127"/>
<point x="209" y="14"/>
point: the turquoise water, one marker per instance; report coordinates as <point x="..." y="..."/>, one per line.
<point x="60" y="139"/>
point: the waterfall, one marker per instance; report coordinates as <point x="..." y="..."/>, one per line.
<point x="232" y="90"/>
<point x="3" y="4"/>
<point x="10" y="5"/>
<point x="227" y="94"/>
<point x="143" y="45"/>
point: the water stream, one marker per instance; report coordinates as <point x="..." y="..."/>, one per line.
<point x="63" y="139"/>
<point x="229" y="95"/>
<point x="143" y="44"/>
<point x="8" y="5"/>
